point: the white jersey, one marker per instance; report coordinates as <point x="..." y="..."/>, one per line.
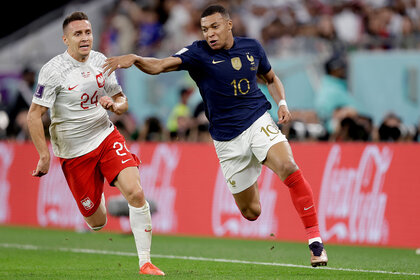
<point x="71" y="89"/>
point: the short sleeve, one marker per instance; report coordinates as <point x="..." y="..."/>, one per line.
<point x="264" y="65"/>
<point x="188" y="56"/>
<point x="112" y="87"/>
<point x="48" y="86"/>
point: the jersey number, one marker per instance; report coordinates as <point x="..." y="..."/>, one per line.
<point x="85" y="98"/>
<point x="120" y="148"/>
<point x="242" y="86"/>
<point x="270" y="129"/>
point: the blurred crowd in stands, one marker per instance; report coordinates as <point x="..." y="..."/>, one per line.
<point x="329" y="29"/>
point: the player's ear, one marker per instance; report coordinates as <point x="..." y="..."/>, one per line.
<point x="230" y="25"/>
<point x="65" y="40"/>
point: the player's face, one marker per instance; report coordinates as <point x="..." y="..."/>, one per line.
<point x="78" y="38"/>
<point x="217" y="31"/>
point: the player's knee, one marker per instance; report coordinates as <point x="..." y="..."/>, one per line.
<point x="134" y="196"/>
<point x="286" y="169"/>
<point x="251" y="213"/>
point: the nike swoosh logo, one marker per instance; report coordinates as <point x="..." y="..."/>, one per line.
<point x="218" y="61"/>
<point x="71" y="88"/>
<point x="124" y="161"/>
<point x="148" y="230"/>
<point x="271" y="139"/>
<point x="307" y="208"/>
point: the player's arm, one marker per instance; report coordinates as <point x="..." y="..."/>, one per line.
<point x="36" y="130"/>
<point x="149" y="65"/>
<point x="276" y="89"/>
<point x="117" y="104"/>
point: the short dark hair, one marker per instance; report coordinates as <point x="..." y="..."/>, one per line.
<point x="73" y="17"/>
<point x="214" y="9"/>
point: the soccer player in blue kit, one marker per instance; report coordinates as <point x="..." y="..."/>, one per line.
<point x="225" y="69"/>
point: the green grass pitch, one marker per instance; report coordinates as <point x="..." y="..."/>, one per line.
<point x="33" y="253"/>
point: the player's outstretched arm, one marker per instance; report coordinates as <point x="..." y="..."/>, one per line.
<point x="149" y="65"/>
<point x="117" y="104"/>
<point x="36" y="130"/>
<point x="276" y="89"/>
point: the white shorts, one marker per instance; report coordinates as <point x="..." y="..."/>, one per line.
<point x="241" y="158"/>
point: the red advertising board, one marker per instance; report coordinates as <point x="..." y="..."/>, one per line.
<point x="365" y="194"/>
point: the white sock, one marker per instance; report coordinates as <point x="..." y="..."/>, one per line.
<point x="310" y="241"/>
<point x="141" y="226"/>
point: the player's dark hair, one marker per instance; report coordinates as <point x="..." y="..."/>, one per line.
<point x="214" y="9"/>
<point x="73" y="17"/>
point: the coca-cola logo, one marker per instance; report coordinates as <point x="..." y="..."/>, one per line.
<point x="56" y="205"/>
<point x="156" y="180"/>
<point x="352" y="202"/>
<point x="6" y="159"/>
<point x="227" y="219"/>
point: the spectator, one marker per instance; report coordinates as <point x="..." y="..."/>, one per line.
<point x="179" y="121"/>
<point x="17" y="127"/>
<point x="153" y="130"/>
<point x="390" y="128"/>
<point x="333" y="101"/>
<point x="200" y="125"/>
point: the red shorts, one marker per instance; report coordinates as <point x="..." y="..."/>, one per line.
<point x="85" y="174"/>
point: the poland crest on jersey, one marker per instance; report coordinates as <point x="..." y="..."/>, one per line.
<point x="100" y="80"/>
<point x="87" y="203"/>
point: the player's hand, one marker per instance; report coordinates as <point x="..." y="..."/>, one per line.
<point x="107" y="103"/>
<point x="42" y="167"/>
<point x="117" y="62"/>
<point x="284" y="115"/>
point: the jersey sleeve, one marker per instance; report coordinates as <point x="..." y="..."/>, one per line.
<point x="112" y="87"/>
<point x="48" y="86"/>
<point x="188" y="56"/>
<point x="264" y="65"/>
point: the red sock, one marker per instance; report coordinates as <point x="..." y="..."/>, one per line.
<point x="303" y="200"/>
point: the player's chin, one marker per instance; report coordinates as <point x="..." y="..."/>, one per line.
<point x="84" y="50"/>
<point x="214" y="45"/>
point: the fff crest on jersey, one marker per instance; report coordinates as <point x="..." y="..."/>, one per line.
<point x="236" y="63"/>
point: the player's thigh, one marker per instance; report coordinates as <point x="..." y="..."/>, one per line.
<point x="264" y="134"/>
<point x="128" y="182"/>
<point x="248" y="198"/>
<point x="239" y="166"/>
<point x="280" y="160"/>
<point x="98" y="218"/>
<point x="85" y="181"/>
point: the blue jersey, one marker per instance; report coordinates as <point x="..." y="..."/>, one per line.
<point x="227" y="80"/>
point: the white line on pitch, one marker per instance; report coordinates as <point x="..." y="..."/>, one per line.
<point x="190" y="258"/>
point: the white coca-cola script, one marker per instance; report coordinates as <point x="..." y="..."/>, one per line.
<point x="352" y="202"/>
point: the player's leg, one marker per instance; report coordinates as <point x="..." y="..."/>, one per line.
<point x="128" y="182"/>
<point x="280" y="160"/>
<point x="86" y="184"/>
<point x="248" y="202"/>
<point x="98" y="220"/>
<point x="241" y="170"/>
<point x="120" y="168"/>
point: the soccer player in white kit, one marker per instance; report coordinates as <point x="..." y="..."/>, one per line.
<point x="88" y="145"/>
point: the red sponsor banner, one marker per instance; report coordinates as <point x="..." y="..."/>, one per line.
<point x="365" y="194"/>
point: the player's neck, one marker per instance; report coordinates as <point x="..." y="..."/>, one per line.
<point x="78" y="57"/>
<point x="229" y="43"/>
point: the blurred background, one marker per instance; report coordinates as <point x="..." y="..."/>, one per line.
<point x="350" y="68"/>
